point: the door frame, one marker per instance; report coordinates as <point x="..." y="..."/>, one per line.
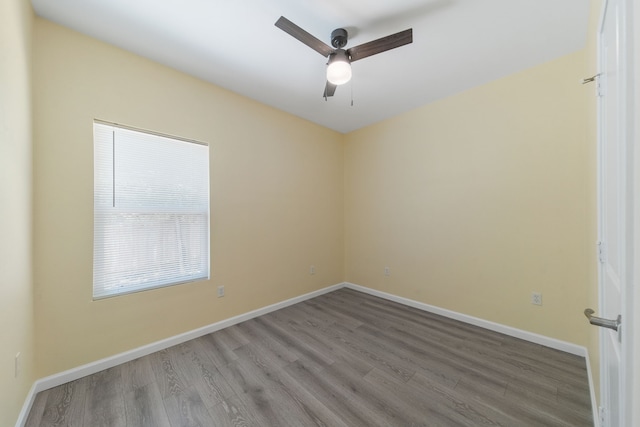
<point x="630" y="357"/>
<point x="606" y="392"/>
<point x="633" y="303"/>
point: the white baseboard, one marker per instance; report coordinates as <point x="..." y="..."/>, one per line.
<point x="497" y="327"/>
<point x="26" y="406"/>
<point x="109" y="362"/>
<point x="567" y="347"/>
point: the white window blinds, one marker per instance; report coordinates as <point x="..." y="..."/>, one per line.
<point x="151" y="210"/>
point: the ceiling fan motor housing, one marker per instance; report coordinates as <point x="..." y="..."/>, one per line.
<point x="339" y="38"/>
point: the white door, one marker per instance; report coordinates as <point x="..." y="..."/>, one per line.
<point x="614" y="204"/>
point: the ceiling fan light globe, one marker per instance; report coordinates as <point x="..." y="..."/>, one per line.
<point x="339" y="72"/>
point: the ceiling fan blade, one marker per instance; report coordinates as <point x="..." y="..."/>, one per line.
<point x="329" y="90"/>
<point x="293" y="30"/>
<point x="381" y="45"/>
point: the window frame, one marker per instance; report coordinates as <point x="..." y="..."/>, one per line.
<point x="135" y="216"/>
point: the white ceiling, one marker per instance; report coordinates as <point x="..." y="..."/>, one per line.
<point x="457" y="44"/>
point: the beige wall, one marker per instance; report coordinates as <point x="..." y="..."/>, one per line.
<point x="472" y="202"/>
<point x="276" y="199"/>
<point x="16" y="302"/>
<point x="477" y="200"/>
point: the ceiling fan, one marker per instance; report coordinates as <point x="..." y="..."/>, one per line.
<point x="339" y="64"/>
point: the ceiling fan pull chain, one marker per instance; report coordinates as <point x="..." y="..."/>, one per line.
<point x="352" y="93"/>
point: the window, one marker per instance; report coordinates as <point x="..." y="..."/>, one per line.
<point x="151" y="210"/>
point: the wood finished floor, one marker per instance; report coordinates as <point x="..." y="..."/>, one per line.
<point x="341" y="359"/>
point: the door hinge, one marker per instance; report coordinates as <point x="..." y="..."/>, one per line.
<point x="599" y="85"/>
<point x="596" y="79"/>
<point x="601" y="414"/>
<point x="599" y="88"/>
<point x="602" y="253"/>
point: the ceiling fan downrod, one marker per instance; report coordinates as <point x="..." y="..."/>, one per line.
<point x="339" y="38"/>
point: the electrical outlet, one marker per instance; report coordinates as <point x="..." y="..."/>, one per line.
<point x="387" y="272"/>
<point x="220" y="291"/>
<point x="16" y="371"/>
<point x="536" y="298"/>
<point x="312" y="270"/>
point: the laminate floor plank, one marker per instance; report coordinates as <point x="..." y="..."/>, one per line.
<point x="64" y="405"/>
<point x="203" y="374"/>
<point x="351" y="409"/>
<point x="272" y="348"/>
<point x="136" y="374"/>
<point x="297" y="346"/>
<point x="104" y="400"/>
<point x="435" y="403"/>
<point x="431" y="335"/>
<point x="524" y="410"/>
<point x="308" y="314"/>
<point x="342" y="359"/>
<point x="420" y="320"/>
<point x="232" y="412"/>
<point x="232" y="337"/>
<point x="219" y="349"/>
<point x="310" y="332"/>
<point x="441" y="361"/>
<point x="144" y="407"/>
<point x="565" y="411"/>
<point x="450" y="332"/>
<point x="288" y="395"/>
<point x="327" y="313"/>
<point x="578" y="396"/>
<point x="35" y="417"/>
<point x="375" y="353"/>
<point x="390" y="409"/>
<point x="344" y="307"/>
<point x="186" y="409"/>
<point x="485" y="368"/>
<point x="318" y="349"/>
<point x="256" y="384"/>
<point x="171" y="381"/>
